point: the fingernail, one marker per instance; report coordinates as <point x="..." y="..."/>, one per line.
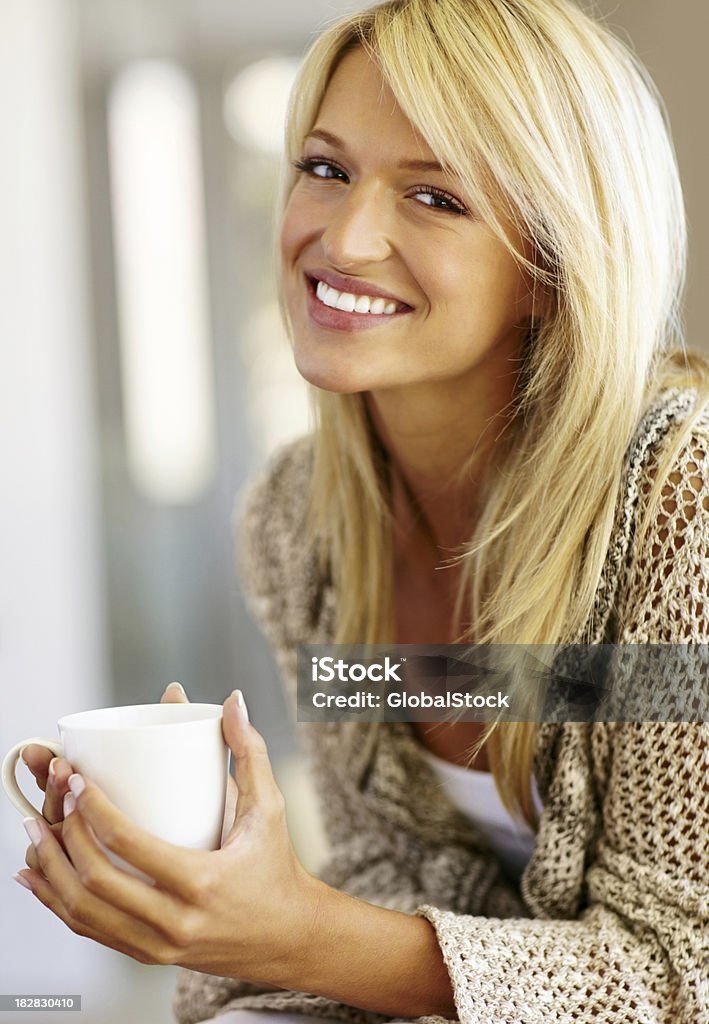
<point x="69" y="804"/>
<point x="33" y="830"/>
<point x="22" y="754"/>
<point x="178" y="687"/>
<point x="23" y="881"/>
<point x="241" y="703"/>
<point x="76" y="785"/>
<point x="53" y="766"/>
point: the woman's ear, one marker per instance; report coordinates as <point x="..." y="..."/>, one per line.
<point x="544" y="305"/>
<point x="540" y="302"/>
<point x="539" y="305"/>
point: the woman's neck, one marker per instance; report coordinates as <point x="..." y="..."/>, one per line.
<point x="428" y="445"/>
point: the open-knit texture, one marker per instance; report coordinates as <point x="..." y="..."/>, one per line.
<point x="610" y="923"/>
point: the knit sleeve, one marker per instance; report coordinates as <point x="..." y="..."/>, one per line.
<point x="639" y="950"/>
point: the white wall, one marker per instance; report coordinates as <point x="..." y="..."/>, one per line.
<point x="51" y="647"/>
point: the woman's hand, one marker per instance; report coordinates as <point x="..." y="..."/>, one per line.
<point x="52" y="776"/>
<point x="243" y="911"/>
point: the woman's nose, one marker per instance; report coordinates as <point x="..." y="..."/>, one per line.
<point x="357" y="231"/>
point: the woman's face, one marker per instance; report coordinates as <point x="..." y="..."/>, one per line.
<point x="374" y="223"/>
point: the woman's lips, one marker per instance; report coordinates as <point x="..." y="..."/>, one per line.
<point x="339" y="319"/>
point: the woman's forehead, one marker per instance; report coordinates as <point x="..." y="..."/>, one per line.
<point x="359" y="103"/>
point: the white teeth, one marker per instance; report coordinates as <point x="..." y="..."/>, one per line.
<point x="331" y="297"/>
<point x="345" y="302"/>
<point x="350" y="303"/>
<point x="326" y="294"/>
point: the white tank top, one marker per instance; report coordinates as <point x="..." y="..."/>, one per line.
<point x="474" y="793"/>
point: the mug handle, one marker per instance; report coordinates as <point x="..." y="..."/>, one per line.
<point x="9" y="779"/>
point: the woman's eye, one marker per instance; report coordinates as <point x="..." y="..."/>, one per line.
<point x="316" y="167"/>
<point x="439" y="200"/>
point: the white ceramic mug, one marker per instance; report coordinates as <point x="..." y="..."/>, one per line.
<point x="163" y="765"/>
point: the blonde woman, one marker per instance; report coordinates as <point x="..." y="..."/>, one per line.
<point x="482" y="246"/>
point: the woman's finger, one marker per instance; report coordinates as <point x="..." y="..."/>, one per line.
<point x="232" y="797"/>
<point x="56" y="883"/>
<point x="41" y="888"/>
<point x="31" y="853"/>
<point x="52" y="775"/>
<point x="37" y="758"/>
<point x="57" y="788"/>
<point x="256" y="784"/>
<point x="174" y="868"/>
<point x="117" y="888"/>
<point x="174" y="694"/>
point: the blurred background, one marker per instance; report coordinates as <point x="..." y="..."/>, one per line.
<point x="145" y="376"/>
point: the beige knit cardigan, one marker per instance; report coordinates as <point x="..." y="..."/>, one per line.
<point x="610" y="923"/>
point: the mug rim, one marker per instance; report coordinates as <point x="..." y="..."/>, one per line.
<point x="71" y="719"/>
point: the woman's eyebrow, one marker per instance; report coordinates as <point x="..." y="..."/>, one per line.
<point x="406" y="165"/>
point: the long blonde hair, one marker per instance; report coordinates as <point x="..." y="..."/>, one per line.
<point x="552" y="125"/>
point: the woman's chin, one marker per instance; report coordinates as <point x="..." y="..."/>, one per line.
<point x="328" y="377"/>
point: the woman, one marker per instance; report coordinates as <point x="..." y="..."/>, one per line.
<point x="481" y="257"/>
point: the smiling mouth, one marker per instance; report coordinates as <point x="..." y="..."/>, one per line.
<point x="348" y="302"/>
